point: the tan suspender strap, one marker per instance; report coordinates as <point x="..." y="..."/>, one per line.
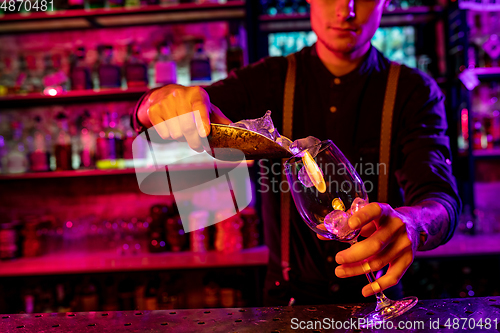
<point x="386" y="131"/>
<point x="286" y="196"/>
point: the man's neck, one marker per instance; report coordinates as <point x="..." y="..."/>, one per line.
<point x="338" y="63"/>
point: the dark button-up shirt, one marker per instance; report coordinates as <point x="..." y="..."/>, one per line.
<point x="346" y="110"/>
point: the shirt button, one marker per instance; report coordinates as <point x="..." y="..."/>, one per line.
<point x="333" y="109"/>
<point x="336" y="80"/>
<point x="329" y="259"/>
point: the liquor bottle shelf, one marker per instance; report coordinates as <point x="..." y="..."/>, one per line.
<point x="399" y="16"/>
<point x="89" y="173"/>
<point x="75" y="96"/>
<point x="115" y="17"/>
<point x="465" y="245"/>
<point x="76" y="263"/>
<point x="487" y="73"/>
<point x="487" y="153"/>
<point x="482" y="154"/>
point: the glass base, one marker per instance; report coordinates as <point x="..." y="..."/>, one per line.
<point x="394" y="309"/>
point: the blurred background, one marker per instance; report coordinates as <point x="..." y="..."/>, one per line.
<point x="76" y="233"/>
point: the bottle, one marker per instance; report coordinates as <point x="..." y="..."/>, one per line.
<point x="169" y="2"/>
<point x="6" y="77"/>
<point x="149" y="2"/>
<point x="8" y="240"/>
<point x="228" y="237"/>
<point x="136" y="71"/>
<point x="109" y="74"/>
<point x="114" y="3"/>
<point x="54" y="79"/>
<point x="31" y="240"/>
<point x="109" y="149"/>
<point x="76" y="4"/>
<point x="176" y="237"/>
<point x="250" y="229"/>
<point x="89" y="299"/>
<point x="128" y="141"/>
<point x="132" y="3"/>
<point x="94" y="4"/>
<point x="126" y="294"/>
<point x="156" y="229"/>
<point x="16" y="160"/>
<point x="80" y="73"/>
<point x="150" y="295"/>
<point x="170" y="294"/>
<point x="39" y="157"/>
<point x="199" y="237"/>
<point x="234" y="54"/>
<point x="199" y="66"/>
<point x="5" y="136"/>
<point x="62" y="146"/>
<point x="87" y="142"/>
<point x="62" y="299"/>
<point x="27" y="80"/>
<point x="480" y="140"/>
<point x="165" y="68"/>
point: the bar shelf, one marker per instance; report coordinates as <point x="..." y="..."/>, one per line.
<point x="487" y="153"/>
<point x="110" y="261"/>
<point x="116" y="17"/>
<point x="465" y="245"/>
<point x="73" y="96"/>
<point x="487" y="73"/>
<point x="111" y="172"/>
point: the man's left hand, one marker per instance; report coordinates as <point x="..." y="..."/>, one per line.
<point x="391" y="240"/>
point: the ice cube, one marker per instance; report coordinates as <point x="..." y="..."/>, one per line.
<point x="241" y="124"/>
<point x="357" y="204"/>
<point x="263" y="125"/>
<point x="265" y="133"/>
<point x="284" y="142"/>
<point x="336" y="223"/>
<point x="300" y="145"/>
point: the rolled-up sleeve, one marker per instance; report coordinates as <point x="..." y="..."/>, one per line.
<point x="425" y="171"/>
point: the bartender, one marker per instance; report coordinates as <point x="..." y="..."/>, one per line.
<point x="340" y="84"/>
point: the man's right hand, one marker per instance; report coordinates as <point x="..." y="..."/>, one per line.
<point x="170" y="110"/>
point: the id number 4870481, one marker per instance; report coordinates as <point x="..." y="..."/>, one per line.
<point x="26" y="6"/>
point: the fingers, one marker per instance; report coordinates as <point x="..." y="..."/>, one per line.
<point x="181" y="113"/>
<point x="372" y="245"/>
<point x="389" y="255"/>
<point x="154" y="114"/>
<point x="395" y="272"/>
<point x="200" y="102"/>
<point x="368" y="229"/>
<point x="368" y="213"/>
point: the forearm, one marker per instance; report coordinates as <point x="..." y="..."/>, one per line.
<point x="430" y="220"/>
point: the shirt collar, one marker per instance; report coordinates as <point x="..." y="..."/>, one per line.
<point x="365" y="67"/>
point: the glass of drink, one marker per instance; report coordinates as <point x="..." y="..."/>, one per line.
<point x="327" y="190"/>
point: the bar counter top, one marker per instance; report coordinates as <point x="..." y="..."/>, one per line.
<point x="480" y="314"/>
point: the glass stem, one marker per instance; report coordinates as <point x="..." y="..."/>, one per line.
<point x="382" y="300"/>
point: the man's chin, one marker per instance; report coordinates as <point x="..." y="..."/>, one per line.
<point x="345" y="48"/>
